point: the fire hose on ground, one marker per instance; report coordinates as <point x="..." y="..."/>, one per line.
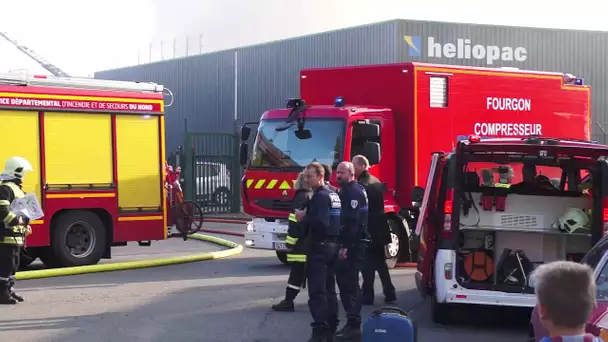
<point x="242" y="221"/>
<point x="233" y="249"/>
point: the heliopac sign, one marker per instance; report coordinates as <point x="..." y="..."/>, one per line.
<point x="465" y="48"/>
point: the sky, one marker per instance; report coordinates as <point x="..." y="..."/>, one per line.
<point x="82" y="37"/>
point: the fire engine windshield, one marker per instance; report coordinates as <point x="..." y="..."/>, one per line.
<point x="283" y="149"/>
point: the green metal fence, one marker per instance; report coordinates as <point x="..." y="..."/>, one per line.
<point x="211" y="171"/>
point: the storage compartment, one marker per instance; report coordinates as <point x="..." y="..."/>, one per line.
<point x="499" y="249"/>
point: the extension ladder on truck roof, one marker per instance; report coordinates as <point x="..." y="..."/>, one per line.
<point x="79" y="83"/>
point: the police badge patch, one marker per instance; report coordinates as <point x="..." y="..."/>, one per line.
<point x="354" y="204"/>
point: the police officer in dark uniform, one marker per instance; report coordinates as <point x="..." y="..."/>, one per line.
<point x="380" y="235"/>
<point x="295" y="241"/>
<point x="14" y="227"/>
<point x="352" y="248"/>
<point x="323" y="221"/>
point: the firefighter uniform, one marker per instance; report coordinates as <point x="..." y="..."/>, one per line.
<point x="296" y="239"/>
<point x="354" y="232"/>
<point x="14" y="227"/>
<point x="323" y="221"/>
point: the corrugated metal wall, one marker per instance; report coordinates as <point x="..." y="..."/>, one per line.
<point x="581" y="53"/>
<point x="268" y="74"/>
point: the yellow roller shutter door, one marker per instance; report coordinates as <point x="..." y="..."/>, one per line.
<point x="138" y="154"/>
<point x="78" y="149"/>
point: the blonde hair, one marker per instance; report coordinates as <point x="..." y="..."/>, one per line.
<point x="300" y="182"/>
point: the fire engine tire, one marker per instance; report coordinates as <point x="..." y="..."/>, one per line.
<point x="233" y="249"/>
<point x="394" y="249"/>
<point x="81" y="231"/>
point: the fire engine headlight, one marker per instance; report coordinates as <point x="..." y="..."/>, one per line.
<point x="250" y="227"/>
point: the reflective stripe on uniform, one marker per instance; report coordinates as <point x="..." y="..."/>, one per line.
<point x="501" y="185"/>
<point x="296" y="258"/>
<point x="292" y="217"/>
<point x="13" y="240"/>
<point x="5" y="202"/>
<point x="9" y="217"/>
<point x="291" y="240"/>
<point x="297" y="288"/>
<point x="17" y="192"/>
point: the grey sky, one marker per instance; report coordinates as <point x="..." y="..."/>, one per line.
<point x="82" y="37"/>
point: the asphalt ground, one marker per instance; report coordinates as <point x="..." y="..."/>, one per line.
<point x="219" y="300"/>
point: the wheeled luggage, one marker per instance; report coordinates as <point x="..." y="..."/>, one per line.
<point x="389" y="324"/>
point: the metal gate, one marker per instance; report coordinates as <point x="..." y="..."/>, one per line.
<point x="212" y="172"/>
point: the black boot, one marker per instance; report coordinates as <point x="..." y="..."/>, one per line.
<point x="349" y="332"/>
<point x="11" y="284"/>
<point x="318" y="336"/>
<point x="17" y="297"/>
<point x="6" y="298"/>
<point x="285" y="305"/>
<point x="390" y="298"/>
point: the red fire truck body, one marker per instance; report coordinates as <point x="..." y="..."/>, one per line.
<point x="97" y="150"/>
<point x="419" y="108"/>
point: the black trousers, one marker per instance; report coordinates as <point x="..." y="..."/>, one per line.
<point x="296" y="280"/>
<point x="376" y="262"/>
<point x="9" y="263"/>
<point x="323" y="300"/>
<point x="347" y="277"/>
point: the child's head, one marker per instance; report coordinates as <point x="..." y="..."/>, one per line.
<point x="566" y="294"/>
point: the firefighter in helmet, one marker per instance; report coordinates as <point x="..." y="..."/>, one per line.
<point x="296" y="240"/>
<point x="14" y="226"/>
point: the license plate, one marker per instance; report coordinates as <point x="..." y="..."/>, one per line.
<point x="280" y="246"/>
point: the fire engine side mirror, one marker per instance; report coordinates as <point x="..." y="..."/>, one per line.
<point x="417" y="194"/>
<point x="245" y="132"/>
<point x="369" y="131"/>
<point x="371" y="150"/>
<point x="243" y="153"/>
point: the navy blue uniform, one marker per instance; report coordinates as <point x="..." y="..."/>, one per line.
<point x="323" y="222"/>
<point x="354" y="230"/>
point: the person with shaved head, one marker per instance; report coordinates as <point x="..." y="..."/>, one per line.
<point x="352" y="248"/>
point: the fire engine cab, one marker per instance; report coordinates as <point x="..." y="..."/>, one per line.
<point x="492" y="210"/>
<point x="396" y="115"/>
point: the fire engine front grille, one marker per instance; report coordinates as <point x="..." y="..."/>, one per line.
<point x="273" y="204"/>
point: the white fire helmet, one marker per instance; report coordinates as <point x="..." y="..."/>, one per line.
<point x="16" y="167"/>
<point x="571" y="221"/>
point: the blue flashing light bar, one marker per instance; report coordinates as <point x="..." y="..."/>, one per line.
<point x="339" y="101"/>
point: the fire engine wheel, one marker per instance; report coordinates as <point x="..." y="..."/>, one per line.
<point x="394" y="248"/>
<point x="78" y="238"/>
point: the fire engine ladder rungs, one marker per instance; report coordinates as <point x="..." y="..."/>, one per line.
<point x="52" y="68"/>
<point x="80" y="83"/>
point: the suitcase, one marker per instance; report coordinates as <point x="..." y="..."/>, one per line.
<point x="389" y="324"/>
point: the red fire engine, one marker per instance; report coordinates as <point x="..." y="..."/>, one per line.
<point x="396" y="115"/>
<point x="97" y="149"/>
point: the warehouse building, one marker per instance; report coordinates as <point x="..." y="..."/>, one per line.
<point x="212" y="89"/>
